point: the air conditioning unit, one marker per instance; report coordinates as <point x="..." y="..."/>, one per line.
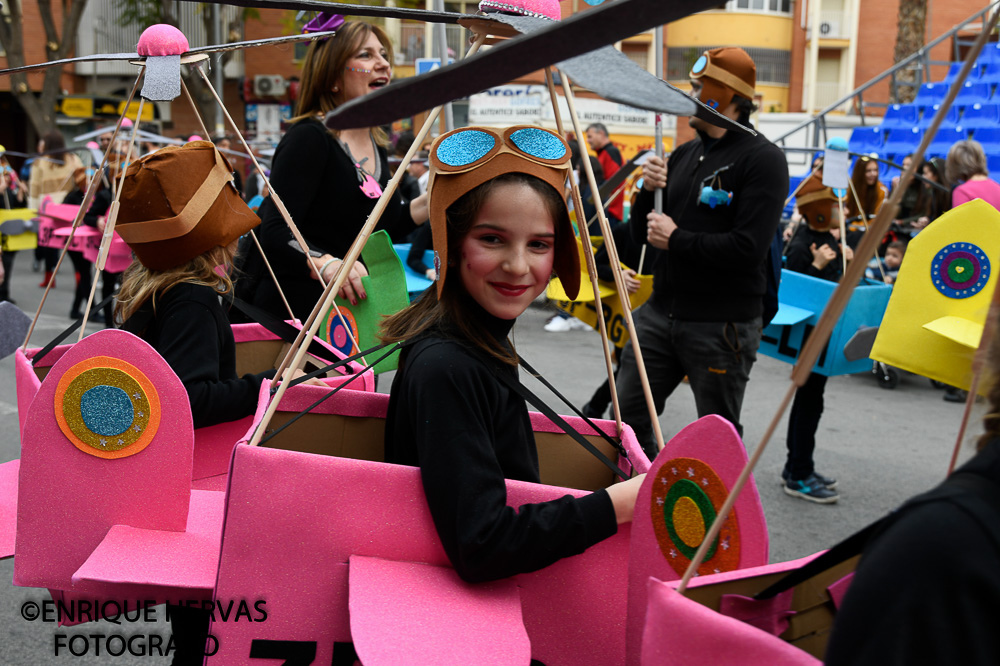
<point x="829" y="29"/>
<point x="268" y="85"/>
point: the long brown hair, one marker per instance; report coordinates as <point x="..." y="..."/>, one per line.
<point x="141" y="284"/>
<point x="324" y="64"/>
<point x="448" y="314"/>
<point x="871" y="196"/>
<point x="932" y="201"/>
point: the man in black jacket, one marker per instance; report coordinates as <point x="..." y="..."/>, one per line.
<point x="721" y="208"/>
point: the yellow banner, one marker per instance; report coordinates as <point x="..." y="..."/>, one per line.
<point x="133" y="110"/>
<point x="583" y="307"/>
<point x="77" y="107"/>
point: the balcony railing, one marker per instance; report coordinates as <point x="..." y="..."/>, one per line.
<point x="413" y="36"/>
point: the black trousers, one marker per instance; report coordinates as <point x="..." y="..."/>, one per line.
<point x="803" y="421"/>
<point x="83" y="269"/>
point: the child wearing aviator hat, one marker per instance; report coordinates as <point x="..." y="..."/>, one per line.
<point x="500" y="228"/>
<point x="182" y="217"/>
<point x="815" y="251"/>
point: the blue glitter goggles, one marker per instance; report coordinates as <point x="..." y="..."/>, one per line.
<point x="465" y="149"/>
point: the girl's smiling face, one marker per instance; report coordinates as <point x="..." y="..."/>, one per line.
<point x="507" y="256"/>
<point x="871" y="173"/>
<point x="367" y="70"/>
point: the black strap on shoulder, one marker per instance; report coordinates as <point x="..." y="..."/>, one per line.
<point x="279" y="327"/>
<point x="336" y="389"/>
<point x="338" y="364"/>
<point x="549" y="413"/>
<point x="972" y="492"/>
<point x="43" y="352"/>
<point x="608" y="438"/>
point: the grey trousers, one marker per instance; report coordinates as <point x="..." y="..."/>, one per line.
<point x="715" y="356"/>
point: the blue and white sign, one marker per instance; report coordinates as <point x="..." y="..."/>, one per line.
<point x="424" y="65"/>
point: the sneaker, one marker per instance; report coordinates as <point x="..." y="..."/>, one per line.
<point x="811" y="489"/>
<point x="953" y="394"/>
<point x="592" y="412"/>
<point x="828" y="481"/>
<point x="562" y="325"/>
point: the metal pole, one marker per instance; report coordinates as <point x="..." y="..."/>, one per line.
<point x="217" y="74"/>
<point x="442" y="41"/>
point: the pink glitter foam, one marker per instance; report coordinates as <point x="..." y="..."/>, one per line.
<point x="538" y="8"/>
<point x="161" y="40"/>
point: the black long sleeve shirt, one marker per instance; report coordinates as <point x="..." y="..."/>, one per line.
<point x="714" y="269"/>
<point x="190" y="331"/>
<point x="318" y="183"/>
<point x="467" y="431"/>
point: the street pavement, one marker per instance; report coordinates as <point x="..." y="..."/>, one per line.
<point x="882" y="445"/>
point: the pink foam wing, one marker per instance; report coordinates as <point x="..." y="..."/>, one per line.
<point x="175" y="564"/>
<point x="8" y="507"/>
<point x="683" y="490"/>
<point x="433" y="616"/>
<point x="681" y="631"/>
<point x="81" y="237"/>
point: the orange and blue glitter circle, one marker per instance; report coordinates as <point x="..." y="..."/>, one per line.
<point x="960" y="270"/>
<point x="686" y="497"/>
<point x="337" y="335"/>
<point x="107" y="407"/>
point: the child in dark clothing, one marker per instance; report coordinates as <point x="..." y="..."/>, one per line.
<point x="890" y="263"/>
<point x="98" y="208"/>
<point x="170" y="298"/>
<point x="814" y="250"/>
<point x="11" y="197"/>
<point x="500" y="227"/>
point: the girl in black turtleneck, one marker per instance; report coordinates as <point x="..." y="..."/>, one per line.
<point x="498" y="238"/>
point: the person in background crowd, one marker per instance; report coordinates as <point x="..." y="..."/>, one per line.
<point x="51" y="175"/>
<point x="890" y="263"/>
<point x="966" y="169"/>
<point x="864" y="198"/>
<point x="932" y="202"/>
<point x="815" y="250"/>
<point x="611" y="160"/>
<point x="330" y="181"/>
<point x="223" y="143"/>
<point x="418" y="169"/>
<point x="11" y="196"/>
<point x="705" y="316"/>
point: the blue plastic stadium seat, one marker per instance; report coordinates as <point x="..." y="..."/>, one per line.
<point x="955" y="67"/>
<point x="981" y="115"/>
<point x="865" y="139"/>
<point x="989" y="137"/>
<point x="973" y="92"/>
<point x="993" y="164"/>
<point x="989" y="54"/>
<point x="900" y="116"/>
<point x="928" y="113"/>
<point x="902" y="141"/>
<point x="945" y="139"/>
<point x="931" y="94"/>
<point x="991" y="74"/>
